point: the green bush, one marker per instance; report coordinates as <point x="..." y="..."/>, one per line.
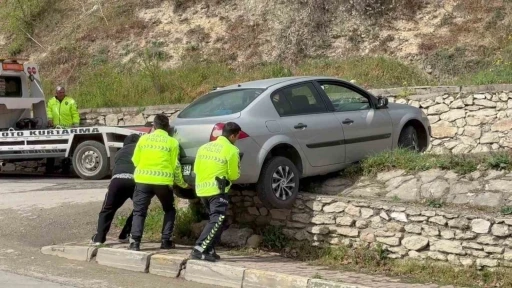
<point x="499" y="161"/>
<point x="185" y="217"/>
<point x="273" y="238"/>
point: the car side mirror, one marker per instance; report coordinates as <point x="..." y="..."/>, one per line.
<point x="382" y="102"/>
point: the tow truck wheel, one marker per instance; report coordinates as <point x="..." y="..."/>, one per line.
<point x="90" y="160"/>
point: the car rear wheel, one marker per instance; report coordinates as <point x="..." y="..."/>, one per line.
<point x="409" y="139"/>
<point x="278" y="185"/>
<point x="90" y="160"/>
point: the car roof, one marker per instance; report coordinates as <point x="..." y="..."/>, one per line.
<point x="266" y="83"/>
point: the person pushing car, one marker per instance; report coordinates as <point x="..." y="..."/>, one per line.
<point x="157" y="169"/>
<point x="216" y="166"/>
<point x="121" y="188"/>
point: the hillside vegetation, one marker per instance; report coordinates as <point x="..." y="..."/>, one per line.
<point x="144" y="52"/>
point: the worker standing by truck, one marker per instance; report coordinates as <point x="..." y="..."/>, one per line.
<point x="216" y="166"/>
<point x="62" y="110"/>
<point x="157" y="169"/>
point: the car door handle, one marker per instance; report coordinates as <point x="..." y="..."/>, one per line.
<point x="347" y="121"/>
<point x="300" y="126"/>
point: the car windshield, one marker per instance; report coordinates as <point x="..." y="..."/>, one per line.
<point x="10" y="86"/>
<point x="218" y="103"/>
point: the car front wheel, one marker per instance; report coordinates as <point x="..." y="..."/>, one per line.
<point x="278" y="185"/>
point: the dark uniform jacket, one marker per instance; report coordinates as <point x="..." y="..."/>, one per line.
<point x="123" y="159"/>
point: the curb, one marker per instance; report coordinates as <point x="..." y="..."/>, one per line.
<point x="174" y="266"/>
<point x="81" y="253"/>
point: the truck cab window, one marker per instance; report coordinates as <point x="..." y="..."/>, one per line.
<point x="10" y="87"/>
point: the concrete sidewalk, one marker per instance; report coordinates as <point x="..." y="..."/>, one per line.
<point x="262" y="270"/>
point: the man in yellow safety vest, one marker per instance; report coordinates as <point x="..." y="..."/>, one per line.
<point x="62" y="110"/>
<point x="157" y="169"/>
<point x="216" y="166"/>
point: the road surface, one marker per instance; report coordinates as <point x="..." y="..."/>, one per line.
<point x="36" y="212"/>
<point x="14" y="280"/>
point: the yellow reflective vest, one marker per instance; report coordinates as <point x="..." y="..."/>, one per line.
<point x="156" y="160"/>
<point x="218" y="158"/>
<point x="63" y="113"/>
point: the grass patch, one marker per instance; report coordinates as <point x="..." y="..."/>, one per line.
<point x="108" y="84"/>
<point x="185" y="217"/>
<point x="413" y="162"/>
<point x="506" y="210"/>
<point x="374" y="260"/>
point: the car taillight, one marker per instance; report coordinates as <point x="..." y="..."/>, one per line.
<point x="217" y="131"/>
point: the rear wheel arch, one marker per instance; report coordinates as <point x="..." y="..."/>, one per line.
<point x="288" y="151"/>
<point x="80" y="138"/>
<point x="420" y="130"/>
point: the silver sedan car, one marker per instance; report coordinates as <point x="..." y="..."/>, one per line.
<point x="295" y="127"/>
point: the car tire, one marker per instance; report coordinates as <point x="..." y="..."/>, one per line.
<point x="90" y="160"/>
<point x="270" y="173"/>
<point x="409" y="139"/>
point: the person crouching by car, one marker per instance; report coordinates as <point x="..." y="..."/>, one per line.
<point x="121" y="187"/>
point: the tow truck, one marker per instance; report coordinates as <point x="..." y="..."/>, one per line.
<point x="25" y="135"/>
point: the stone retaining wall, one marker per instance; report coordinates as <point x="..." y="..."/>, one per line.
<point x="464" y="119"/>
<point x="405" y="231"/>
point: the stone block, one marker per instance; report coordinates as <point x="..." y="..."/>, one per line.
<point x="263" y="279"/>
<point x="166" y="265"/>
<point x="81" y="253"/>
<point x="214" y="273"/>
<point x="124" y="259"/>
<point x="318" y="283"/>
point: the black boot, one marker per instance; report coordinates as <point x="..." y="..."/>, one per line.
<point x="134" y="246"/>
<point x="198" y="255"/>
<point x="214" y="254"/>
<point x="167" y="244"/>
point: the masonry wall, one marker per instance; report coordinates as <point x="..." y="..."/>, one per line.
<point x="464" y="119"/>
<point x="405" y="231"/>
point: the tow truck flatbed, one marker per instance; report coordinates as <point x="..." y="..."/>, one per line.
<point x="25" y="135"/>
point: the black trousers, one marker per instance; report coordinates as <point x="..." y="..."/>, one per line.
<point x="119" y="190"/>
<point x="141" y="200"/>
<point x="217" y="207"/>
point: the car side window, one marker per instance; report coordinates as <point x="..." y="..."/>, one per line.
<point x="345" y="99"/>
<point x="298" y="100"/>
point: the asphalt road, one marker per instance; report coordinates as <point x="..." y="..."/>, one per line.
<point x="36" y="212"/>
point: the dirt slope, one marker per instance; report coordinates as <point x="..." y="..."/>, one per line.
<point x="438" y="36"/>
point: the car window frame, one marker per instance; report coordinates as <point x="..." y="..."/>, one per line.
<point x="314" y="90"/>
<point x="354" y="88"/>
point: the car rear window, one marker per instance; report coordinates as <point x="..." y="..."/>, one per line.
<point x="218" y="103"/>
<point x="10" y="86"/>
